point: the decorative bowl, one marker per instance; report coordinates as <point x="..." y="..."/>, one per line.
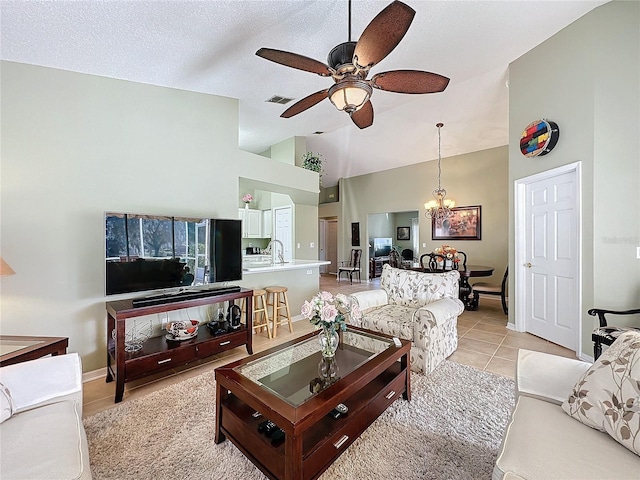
<point x="182" y="329"/>
<point x="139" y="332"/>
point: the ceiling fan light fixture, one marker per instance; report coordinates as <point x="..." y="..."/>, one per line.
<point x="350" y="94"/>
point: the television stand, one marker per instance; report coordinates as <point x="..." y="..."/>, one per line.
<point x="158" y="354"/>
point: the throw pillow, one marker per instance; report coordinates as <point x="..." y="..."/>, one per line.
<point x="607" y="396"/>
<point x="6" y="403"/>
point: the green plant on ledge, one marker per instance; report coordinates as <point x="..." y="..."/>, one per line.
<point x="313" y="161"/>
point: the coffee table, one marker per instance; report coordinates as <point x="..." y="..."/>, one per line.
<point x="292" y="386"/>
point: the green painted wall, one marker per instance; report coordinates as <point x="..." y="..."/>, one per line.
<point x="75" y="146"/>
<point x="478" y="178"/>
<point x="586" y="78"/>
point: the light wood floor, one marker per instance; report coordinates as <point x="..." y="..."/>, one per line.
<point x="484" y="343"/>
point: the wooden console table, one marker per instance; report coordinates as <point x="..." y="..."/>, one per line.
<point x="19" y="348"/>
<point x="158" y="354"/>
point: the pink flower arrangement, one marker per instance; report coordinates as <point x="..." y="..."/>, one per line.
<point x="327" y="311"/>
<point x="248" y="198"/>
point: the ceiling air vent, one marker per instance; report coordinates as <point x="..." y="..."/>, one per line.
<point x="278" y="99"/>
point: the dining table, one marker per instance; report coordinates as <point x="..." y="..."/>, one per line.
<point x="465" y="288"/>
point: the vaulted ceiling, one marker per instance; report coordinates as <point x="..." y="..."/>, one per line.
<point x="209" y="46"/>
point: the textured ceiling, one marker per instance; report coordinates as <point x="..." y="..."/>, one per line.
<point x="209" y="46"/>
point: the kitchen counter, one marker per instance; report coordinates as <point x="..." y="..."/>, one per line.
<point x="249" y="267"/>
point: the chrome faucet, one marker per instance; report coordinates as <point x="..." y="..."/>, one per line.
<point x="280" y="254"/>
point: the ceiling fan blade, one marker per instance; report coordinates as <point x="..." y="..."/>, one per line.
<point x="305" y="103"/>
<point x="409" y="81"/>
<point x="363" y="118"/>
<point x="294" y="60"/>
<point x="382" y="35"/>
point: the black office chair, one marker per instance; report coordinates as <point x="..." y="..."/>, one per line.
<point x="485" y="288"/>
<point x="606" y="334"/>
<point x="407" y="255"/>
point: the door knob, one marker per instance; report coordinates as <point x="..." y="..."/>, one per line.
<point x="528" y="265"/>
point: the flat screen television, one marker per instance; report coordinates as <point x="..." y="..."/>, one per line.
<point x="153" y="252"/>
<point x="381" y="247"/>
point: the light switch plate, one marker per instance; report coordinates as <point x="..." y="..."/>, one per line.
<point x="312" y="245"/>
<point x="637" y="252"/>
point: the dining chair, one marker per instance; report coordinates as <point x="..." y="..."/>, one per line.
<point x="464" y="260"/>
<point x="351" y="266"/>
<point x="486" y="288"/>
<point x="435" y="262"/>
<point x="606" y="334"/>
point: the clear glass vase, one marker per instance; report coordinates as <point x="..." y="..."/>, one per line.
<point x="329" y="340"/>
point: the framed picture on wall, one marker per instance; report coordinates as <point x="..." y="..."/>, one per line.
<point x="355" y="234"/>
<point x="464" y="223"/>
<point x="404" y="233"/>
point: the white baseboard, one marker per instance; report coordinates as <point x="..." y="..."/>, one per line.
<point x="94" y="375"/>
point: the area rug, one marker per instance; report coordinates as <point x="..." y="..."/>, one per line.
<point x="451" y="429"/>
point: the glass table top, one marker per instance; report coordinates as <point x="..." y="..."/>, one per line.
<point x="10" y="346"/>
<point x="298" y="372"/>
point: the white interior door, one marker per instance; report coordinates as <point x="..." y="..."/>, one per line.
<point x="332" y="245"/>
<point x="283" y="231"/>
<point x="322" y="244"/>
<point x="548" y="259"/>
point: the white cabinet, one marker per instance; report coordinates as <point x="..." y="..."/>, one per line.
<point x="251" y="223"/>
<point x="266" y="224"/>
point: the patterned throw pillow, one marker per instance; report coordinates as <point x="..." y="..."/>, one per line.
<point x="6" y="403"/>
<point x="607" y="396"/>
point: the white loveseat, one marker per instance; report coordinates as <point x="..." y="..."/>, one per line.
<point x="416" y="306"/>
<point x="42" y="435"/>
<point x="543" y="442"/>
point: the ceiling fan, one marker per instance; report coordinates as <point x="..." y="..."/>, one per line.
<point x="350" y="62"/>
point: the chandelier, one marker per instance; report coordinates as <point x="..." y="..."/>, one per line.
<point x="439" y="208"/>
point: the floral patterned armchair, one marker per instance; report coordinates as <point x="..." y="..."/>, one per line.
<point x="416" y="306"/>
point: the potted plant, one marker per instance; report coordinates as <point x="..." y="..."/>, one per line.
<point x="313" y="161"/>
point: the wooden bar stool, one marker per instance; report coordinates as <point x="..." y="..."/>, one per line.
<point x="277" y="299"/>
<point x="259" y="308"/>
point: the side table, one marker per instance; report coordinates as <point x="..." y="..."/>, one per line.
<point x="19" y="348"/>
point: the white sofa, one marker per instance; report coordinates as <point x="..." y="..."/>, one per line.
<point x="543" y="442"/>
<point x="416" y="306"/>
<point x="42" y="435"/>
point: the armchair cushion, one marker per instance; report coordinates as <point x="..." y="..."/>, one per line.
<point x="45" y="437"/>
<point x="391" y="319"/>
<point x="547" y="377"/>
<point x="38" y="382"/>
<point x="607" y="396"/>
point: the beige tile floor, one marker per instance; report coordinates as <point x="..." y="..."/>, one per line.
<point x="484" y="343"/>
